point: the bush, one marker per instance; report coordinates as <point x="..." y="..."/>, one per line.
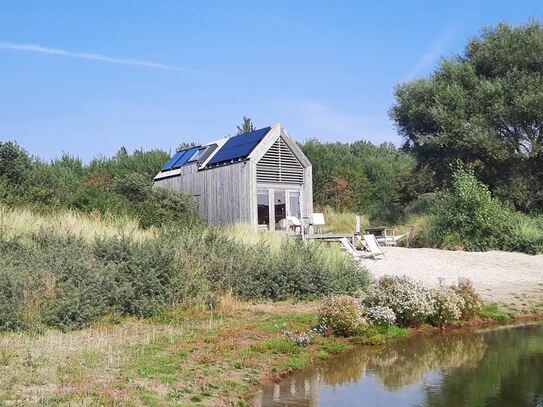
<point x="135" y="187"/>
<point x="379" y="315"/>
<point x="340" y="315"/>
<point x="468" y="214"/>
<point x="471" y="300"/>
<point x="447" y="306"/>
<point x="53" y="278"/>
<point x="408" y="299"/>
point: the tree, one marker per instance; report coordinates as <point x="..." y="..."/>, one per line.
<point x="482" y="110"/>
<point x="246" y="127"/>
<point x="14" y="163"/>
<point x="186" y="146"/>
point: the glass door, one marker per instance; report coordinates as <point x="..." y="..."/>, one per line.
<point x="280" y="209"/>
<point x="263" y="205"/>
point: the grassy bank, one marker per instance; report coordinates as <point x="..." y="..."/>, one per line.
<point x="208" y="358"/>
<point x="216" y="358"/>
<point x="67" y="270"/>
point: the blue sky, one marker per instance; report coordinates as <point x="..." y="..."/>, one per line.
<point x="89" y="77"/>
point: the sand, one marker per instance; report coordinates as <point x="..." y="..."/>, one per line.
<point x="512" y="279"/>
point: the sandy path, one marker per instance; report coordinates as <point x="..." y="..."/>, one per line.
<point x="511" y="278"/>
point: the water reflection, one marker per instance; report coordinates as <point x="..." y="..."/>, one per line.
<point x="488" y="368"/>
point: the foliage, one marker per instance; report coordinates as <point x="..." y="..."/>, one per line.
<point x="340" y="222"/>
<point x="482" y="109"/>
<point x="361" y="177"/>
<point x="493" y="311"/>
<point x="468" y="215"/>
<point x="380" y="315"/>
<point x="340" y="315"/>
<point x="121" y="185"/>
<point x="471" y="300"/>
<point x="447" y="306"/>
<point x="410" y="301"/>
<point x="246" y="127"/>
<point x="70" y="271"/>
<point x="273" y="267"/>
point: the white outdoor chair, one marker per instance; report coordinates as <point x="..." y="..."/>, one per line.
<point x="293" y="223"/>
<point x="317" y="219"/>
<point x="372" y="245"/>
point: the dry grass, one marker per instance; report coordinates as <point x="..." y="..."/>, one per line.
<point x="250" y="235"/>
<point x="208" y="358"/>
<point x="24" y="222"/>
<point x="341" y="222"/>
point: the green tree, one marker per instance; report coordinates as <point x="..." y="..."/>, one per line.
<point x="246" y="127"/>
<point x="14" y="163"/>
<point x="482" y="110"/>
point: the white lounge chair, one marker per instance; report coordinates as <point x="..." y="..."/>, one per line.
<point x="349" y="248"/>
<point x="317" y="219"/>
<point x="371" y="244"/>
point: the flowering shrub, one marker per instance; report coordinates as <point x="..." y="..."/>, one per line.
<point x="299" y="338"/>
<point x="447" y="306"/>
<point x="340" y="315"/>
<point x="472" y="302"/>
<point x="408" y="299"/>
<point x="380" y="315"/>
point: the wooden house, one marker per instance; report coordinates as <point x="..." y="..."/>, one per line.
<point x="257" y="178"/>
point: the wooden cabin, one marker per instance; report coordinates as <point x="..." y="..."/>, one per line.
<point x="256" y="178"/>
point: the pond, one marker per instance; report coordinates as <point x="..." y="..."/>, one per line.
<point x="501" y="366"/>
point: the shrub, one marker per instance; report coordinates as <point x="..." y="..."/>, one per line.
<point x="468" y="213"/>
<point x="340" y="315"/>
<point x="447" y="306"/>
<point x="471" y="300"/>
<point x="408" y="299"/>
<point x="379" y="315"/>
<point x="524" y="234"/>
<point x="67" y="273"/>
<point x="135" y="187"/>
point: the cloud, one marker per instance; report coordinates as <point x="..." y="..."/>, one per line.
<point x="95" y="57"/>
<point x="436" y="50"/>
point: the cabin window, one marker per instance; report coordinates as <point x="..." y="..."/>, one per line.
<point x="294" y="204"/>
<point x="263" y="201"/>
<point x="280" y="209"/>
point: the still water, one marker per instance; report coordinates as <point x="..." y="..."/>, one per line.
<point x="502" y="366"/>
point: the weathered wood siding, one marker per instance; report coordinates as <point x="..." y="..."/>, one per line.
<point x="307" y="192"/>
<point x="225" y="195"/>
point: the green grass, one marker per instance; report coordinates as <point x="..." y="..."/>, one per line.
<point x="278" y="323"/>
<point x="493" y="311"/>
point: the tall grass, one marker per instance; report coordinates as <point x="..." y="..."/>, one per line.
<point x="341" y="221"/>
<point x="23" y="222"/>
<point x="68" y="270"/>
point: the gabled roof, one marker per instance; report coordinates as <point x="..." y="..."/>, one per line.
<point x="239" y="147"/>
<point x="230" y="150"/>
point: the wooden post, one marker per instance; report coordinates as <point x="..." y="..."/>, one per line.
<point x="357" y="226"/>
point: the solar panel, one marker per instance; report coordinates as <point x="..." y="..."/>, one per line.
<point x="239" y="147"/>
<point x="168" y="166"/>
<point x="184" y="158"/>
<point x="196" y="156"/>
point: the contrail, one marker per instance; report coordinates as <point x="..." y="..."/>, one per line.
<point x="95" y="57"/>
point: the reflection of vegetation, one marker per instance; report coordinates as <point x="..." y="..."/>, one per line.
<point x="407" y="362"/>
<point x="410" y="362"/>
<point x="492" y="368"/>
<point x="509" y="374"/>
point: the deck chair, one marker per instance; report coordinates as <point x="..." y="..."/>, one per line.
<point x="349" y="248"/>
<point x="372" y="245"/>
